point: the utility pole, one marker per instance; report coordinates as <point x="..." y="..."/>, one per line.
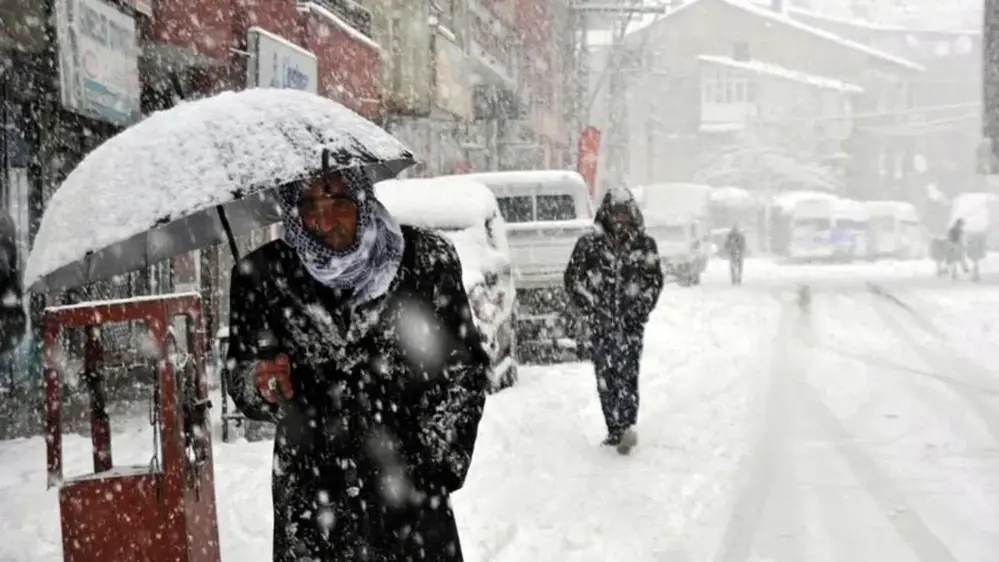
<point x="614" y="73"/>
<point x="576" y="116"/>
<point x="988" y="156"/>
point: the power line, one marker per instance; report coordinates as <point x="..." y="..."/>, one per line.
<point x="818" y="119"/>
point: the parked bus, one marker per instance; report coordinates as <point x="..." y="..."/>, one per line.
<point x="895" y="230"/>
<point x="850" y="230"/>
<point x="801" y="225"/>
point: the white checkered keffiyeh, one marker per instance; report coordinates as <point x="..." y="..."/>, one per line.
<point x="366" y="268"/>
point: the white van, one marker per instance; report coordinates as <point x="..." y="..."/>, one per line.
<point x="546" y="212"/>
<point x="895" y="230"/>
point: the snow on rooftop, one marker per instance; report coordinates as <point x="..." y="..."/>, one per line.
<point x="337" y="21"/>
<point x="786" y="20"/>
<point x="874" y="26"/>
<point x="771" y="69"/>
<point x="437" y="203"/>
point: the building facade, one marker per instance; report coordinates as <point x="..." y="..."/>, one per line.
<point x="665" y="95"/>
<point x="944" y="124"/>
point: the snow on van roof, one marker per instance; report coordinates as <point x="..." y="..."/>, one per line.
<point x="789" y="199"/>
<point x="437" y="202"/>
<point x="524" y="177"/>
<point x="561" y="181"/>
<point x="903" y="208"/>
<point x="730" y="194"/>
<point x="851" y="208"/>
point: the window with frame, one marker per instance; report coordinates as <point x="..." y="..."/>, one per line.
<point x="556" y="207"/>
<point x="518" y="208"/>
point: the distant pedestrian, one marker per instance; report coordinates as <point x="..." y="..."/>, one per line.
<point x="735" y="249"/>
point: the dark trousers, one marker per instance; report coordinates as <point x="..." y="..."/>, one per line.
<point x="616" y="358"/>
<point x="735" y="270"/>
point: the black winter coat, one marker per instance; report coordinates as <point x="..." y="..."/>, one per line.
<point x="615" y="282"/>
<point x="13" y="321"/>
<point x="735" y="244"/>
<point x="387" y="403"/>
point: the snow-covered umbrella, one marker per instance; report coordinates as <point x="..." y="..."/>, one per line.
<point x="196" y="175"/>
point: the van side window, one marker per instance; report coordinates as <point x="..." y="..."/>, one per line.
<point x="556" y="207"/>
<point x="518" y="208"/>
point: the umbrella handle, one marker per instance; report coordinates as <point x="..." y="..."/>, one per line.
<point x="228" y="233"/>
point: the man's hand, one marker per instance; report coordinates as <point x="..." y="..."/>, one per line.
<point x="273" y="376"/>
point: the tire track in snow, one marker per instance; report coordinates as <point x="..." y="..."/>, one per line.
<point x="750" y="508"/>
<point x="764" y="464"/>
<point x="972" y="392"/>
<point x="877" y="482"/>
<point x="908" y="525"/>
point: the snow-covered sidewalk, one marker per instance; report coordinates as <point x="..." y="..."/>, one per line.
<point x="541" y="488"/>
<point x="859" y="430"/>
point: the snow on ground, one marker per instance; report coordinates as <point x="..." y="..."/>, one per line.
<point x="861" y="429"/>
<point x="541" y="488"/>
<point x="765" y="271"/>
<point x="772" y="274"/>
<point x="889" y="458"/>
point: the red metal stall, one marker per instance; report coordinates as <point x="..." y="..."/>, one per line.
<point x="163" y="511"/>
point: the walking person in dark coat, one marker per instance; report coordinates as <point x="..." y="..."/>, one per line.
<point x="957" y="254"/>
<point x="614" y="279"/>
<point x="735" y="249"/>
<point x="354" y="335"/>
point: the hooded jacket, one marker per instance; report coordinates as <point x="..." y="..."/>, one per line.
<point x="615" y="279"/>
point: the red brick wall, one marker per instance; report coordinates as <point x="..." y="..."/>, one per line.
<point x="348" y="68"/>
<point x="213" y="28"/>
<point x="533" y="23"/>
<point x="205" y="27"/>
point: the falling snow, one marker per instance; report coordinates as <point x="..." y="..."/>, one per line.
<point x="566" y="179"/>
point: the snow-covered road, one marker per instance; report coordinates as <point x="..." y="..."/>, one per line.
<point x="865" y="428"/>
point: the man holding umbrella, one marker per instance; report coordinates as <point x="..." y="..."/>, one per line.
<point x="354" y="335"/>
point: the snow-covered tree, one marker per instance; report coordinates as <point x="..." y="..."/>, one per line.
<point x="752" y="162"/>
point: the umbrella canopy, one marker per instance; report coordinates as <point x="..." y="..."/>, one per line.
<point x="171" y="183"/>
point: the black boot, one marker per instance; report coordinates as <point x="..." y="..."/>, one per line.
<point x="627" y="441"/>
<point x="613" y="439"/>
